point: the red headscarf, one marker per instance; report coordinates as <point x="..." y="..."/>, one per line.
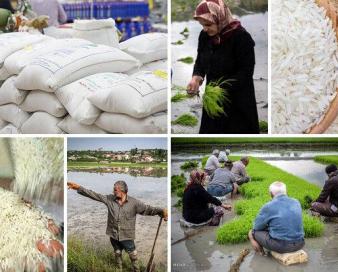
<point x="216" y="12"/>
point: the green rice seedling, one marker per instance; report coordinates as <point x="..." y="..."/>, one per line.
<point x="179" y="42"/>
<point x="256" y="194"/>
<point x="328" y="159"/>
<point x="313" y="227"/>
<point x="185" y="30"/>
<point x="179" y="97"/>
<point x="187" y="60"/>
<point x="189" y="165"/>
<point x="263" y="126"/>
<point x="215" y="99"/>
<point x="178" y="88"/>
<point x="188" y="120"/>
<point x="177" y="182"/>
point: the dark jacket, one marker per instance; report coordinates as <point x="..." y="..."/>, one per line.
<point x="6" y="4"/>
<point x="234" y="59"/>
<point x="121" y="219"/>
<point x="195" y="204"/>
<point x="330" y="190"/>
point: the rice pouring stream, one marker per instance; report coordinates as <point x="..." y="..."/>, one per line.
<point x="304" y="65"/>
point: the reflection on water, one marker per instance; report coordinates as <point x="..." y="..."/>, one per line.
<point x="309" y="170"/>
<point x="88" y="219"/>
<point x="132" y="171"/>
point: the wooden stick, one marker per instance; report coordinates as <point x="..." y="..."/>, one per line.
<point x="235" y="266"/>
<point x="150" y="263"/>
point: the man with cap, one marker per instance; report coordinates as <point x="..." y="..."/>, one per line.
<point x="122" y="211"/>
<point x="212" y="163"/>
<point x="327" y="202"/>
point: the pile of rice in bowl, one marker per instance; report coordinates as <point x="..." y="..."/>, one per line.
<point x="21" y="227"/>
<point x="304" y="64"/>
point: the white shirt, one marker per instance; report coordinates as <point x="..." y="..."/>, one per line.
<point x="222" y="157"/>
<point x="212" y="163"/>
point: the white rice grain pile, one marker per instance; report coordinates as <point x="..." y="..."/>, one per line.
<point x="20" y="228"/>
<point x="38" y="168"/>
<point x="304" y="65"/>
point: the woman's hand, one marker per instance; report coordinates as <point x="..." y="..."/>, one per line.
<point x="226" y="207"/>
<point x="194" y="84"/>
<point x="73" y="185"/>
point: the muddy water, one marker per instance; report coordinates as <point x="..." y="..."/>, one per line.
<point x="88" y="218"/>
<point x="257" y="25"/>
<point x="201" y="252"/>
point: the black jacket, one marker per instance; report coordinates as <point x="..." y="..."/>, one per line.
<point x="6" y="4"/>
<point x="234" y="59"/>
<point x="195" y="204"/>
<point x="330" y="190"/>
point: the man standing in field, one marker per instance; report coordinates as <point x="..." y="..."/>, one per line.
<point x="122" y="211"/>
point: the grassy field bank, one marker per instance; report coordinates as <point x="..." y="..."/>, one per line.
<point x="330" y="159"/>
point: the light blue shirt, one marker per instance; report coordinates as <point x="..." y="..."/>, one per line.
<point x="282" y="217"/>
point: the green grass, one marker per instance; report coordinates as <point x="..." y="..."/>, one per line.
<point x="186" y="119"/>
<point x="178" y="183"/>
<point x="189" y="165"/>
<point x="328" y="159"/>
<point x="178" y="97"/>
<point x="263" y="126"/>
<point x="253" y="140"/>
<point x="187" y="60"/>
<point x="256" y="194"/>
<point x="87" y="165"/>
<point x="86" y="257"/>
<point x="214" y="99"/>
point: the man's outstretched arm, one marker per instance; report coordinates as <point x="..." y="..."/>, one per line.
<point x="88" y="193"/>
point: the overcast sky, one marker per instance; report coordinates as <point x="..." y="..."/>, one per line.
<point x="116" y="144"/>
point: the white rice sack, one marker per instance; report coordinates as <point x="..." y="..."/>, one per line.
<point x="3" y="123"/>
<point x="43" y="101"/>
<point x="71" y="126"/>
<point x="9" y="129"/>
<point x="63" y="66"/>
<point x="41" y="123"/>
<point x="304" y="65"/>
<point x="17" y="61"/>
<point x="10" y="94"/>
<point x="12" y="42"/>
<point x="74" y="96"/>
<point x="147" y="47"/>
<point x="139" y="96"/>
<point x="97" y="31"/>
<point x="151" y="66"/>
<point x="122" y="123"/>
<point x="13" y="114"/>
<point x="21" y="227"/>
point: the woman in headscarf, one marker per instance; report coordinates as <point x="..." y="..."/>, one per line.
<point x="196" y="199"/>
<point x="225" y="52"/>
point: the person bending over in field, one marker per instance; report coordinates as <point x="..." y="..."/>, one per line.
<point x="122" y="211"/>
<point x="327" y="202"/>
<point x="278" y="226"/>
<point x="238" y="169"/>
<point x="223" y="181"/>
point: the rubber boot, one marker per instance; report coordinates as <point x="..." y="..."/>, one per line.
<point x="134" y="262"/>
<point x="118" y="259"/>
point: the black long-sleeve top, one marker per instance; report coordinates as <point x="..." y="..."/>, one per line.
<point x="330" y="190"/>
<point x="234" y="59"/>
<point x="195" y="204"/>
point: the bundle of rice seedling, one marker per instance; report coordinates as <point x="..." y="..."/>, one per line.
<point x="304" y="66"/>
<point x="22" y="226"/>
<point x="215" y="99"/>
<point x="187" y="60"/>
<point x="179" y="97"/>
<point x="186" y="120"/>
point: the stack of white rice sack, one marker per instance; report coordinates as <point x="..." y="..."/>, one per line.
<point x="53" y="86"/>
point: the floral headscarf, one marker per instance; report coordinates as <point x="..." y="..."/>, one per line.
<point x="216" y="12"/>
<point x="196" y="177"/>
